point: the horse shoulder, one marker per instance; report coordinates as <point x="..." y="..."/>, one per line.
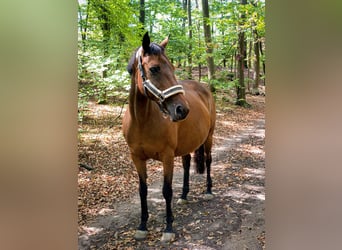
<point x="126" y="120"/>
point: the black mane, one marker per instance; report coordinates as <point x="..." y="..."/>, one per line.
<point x="154" y="49"/>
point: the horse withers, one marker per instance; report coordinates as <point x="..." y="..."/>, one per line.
<point x="166" y="118"/>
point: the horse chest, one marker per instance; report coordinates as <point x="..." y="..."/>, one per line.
<point x="149" y="142"/>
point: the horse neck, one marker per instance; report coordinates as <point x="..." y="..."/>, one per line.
<point x="139" y="105"/>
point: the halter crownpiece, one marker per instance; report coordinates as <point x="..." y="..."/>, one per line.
<point x="161" y="95"/>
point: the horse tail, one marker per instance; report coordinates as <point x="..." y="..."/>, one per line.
<point x="199" y="159"/>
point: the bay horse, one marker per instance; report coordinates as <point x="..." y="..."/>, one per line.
<point x="155" y="95"/>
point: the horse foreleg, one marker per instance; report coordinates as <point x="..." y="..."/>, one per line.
<point x="186" y="166"/>
<point x="168" y="234"/>
<point x="140" y="165"/>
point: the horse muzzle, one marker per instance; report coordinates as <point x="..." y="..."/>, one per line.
<point x="176" y="111"/>
<point x="181" y="112"/>
<point x="167" y="100"/>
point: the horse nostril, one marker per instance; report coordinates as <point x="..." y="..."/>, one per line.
<point x="181" y="111"/>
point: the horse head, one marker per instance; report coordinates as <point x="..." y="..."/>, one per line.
<point x="156" y="80"/>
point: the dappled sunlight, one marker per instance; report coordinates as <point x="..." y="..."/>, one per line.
<point x="255" y="173"/>
<point x="157" y="200"/>
<point x="92" y="135"/>
<point x="254" y="188"/>
<point x="240" y="196"/>
<point x="105" y="211"/>
<point x="256" y="150"/>
<point x="102" y="110"/>
<point x="91" y="230"/>
<point x="228" y="123"/>
<point x="220" y="167"/>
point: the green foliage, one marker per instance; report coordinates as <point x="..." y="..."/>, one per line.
<point x="107" y="36"/>
<point x="223" y="81"/>
<point x="82" y="105"/>
<point x="109" y="31"/>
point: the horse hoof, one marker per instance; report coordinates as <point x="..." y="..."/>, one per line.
<point x="182" y="201"/>
<point x="208" y="197"/>
<point x="168" y="237"/>
<point x="140" y="235"/>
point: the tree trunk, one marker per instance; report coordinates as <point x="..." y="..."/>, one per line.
<point x="256" y="64"/>
<point x="103" y="14"/>
<point x="142" y="13"/>
<point x="234" y="66"/>
<point x="249" y="60"/>
<point x="106" y="30"/>
<point x="232" y="62"/>
<point x="199" y="44"/>
<point x="240" y="90"/>
<point x="208" y="41"/>
<point x="245" y="54"/>
<point x="83" y="26"/>
<point x="263" y="61"/>
<point x="190" y="40"/>
<point x="83" y="30"/>
<point x="185" y="6"/>
<point x="106" y="41"/>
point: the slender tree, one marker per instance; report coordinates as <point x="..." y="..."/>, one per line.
<point x="263" y="60"/>
<point x="256" y="63"/>
<point x="142" y="12"/>
<point x="249" y="63"/>
<point x="241" y="89"/>
<point x="83" y="23"/>
<point x="83" y="27"/>
<point x="185" y="6"/>
<point x="190" y="39"/>
<point x="104" y="15"/>
<point x="208" y="40"/>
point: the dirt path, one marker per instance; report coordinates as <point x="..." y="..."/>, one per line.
<point x="234" y="219"/>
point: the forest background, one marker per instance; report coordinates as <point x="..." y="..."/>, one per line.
<point x="39" y="108"/>
<point x="220" y="43"/>
<point x="214" y="41"/>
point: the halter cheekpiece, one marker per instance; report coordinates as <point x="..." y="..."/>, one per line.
<point x="161" y="95"/>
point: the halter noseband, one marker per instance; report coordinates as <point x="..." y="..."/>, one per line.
<point x="161" y="95"/>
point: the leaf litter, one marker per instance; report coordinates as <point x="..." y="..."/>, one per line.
<point x="198" y="224"/>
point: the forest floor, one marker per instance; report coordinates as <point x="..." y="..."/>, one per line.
<point x="109" y="205"/>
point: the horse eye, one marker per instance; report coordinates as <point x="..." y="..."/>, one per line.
<point x="155" y="69"/>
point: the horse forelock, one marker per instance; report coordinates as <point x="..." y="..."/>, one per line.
<point x="154" y="49"/>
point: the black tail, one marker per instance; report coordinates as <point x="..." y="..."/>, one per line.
<point x="199" y="159"/>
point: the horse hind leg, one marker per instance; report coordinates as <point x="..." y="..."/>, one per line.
<point x="186" y="159"/>
<point x="199" y="159"/>
<point x="203" y="156"/>
<point x="208" y="195"/>
<point x="208" y="160"/>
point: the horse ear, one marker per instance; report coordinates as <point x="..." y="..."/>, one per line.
<point x="146" y="42"/>
<point x="164" y="43"/>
